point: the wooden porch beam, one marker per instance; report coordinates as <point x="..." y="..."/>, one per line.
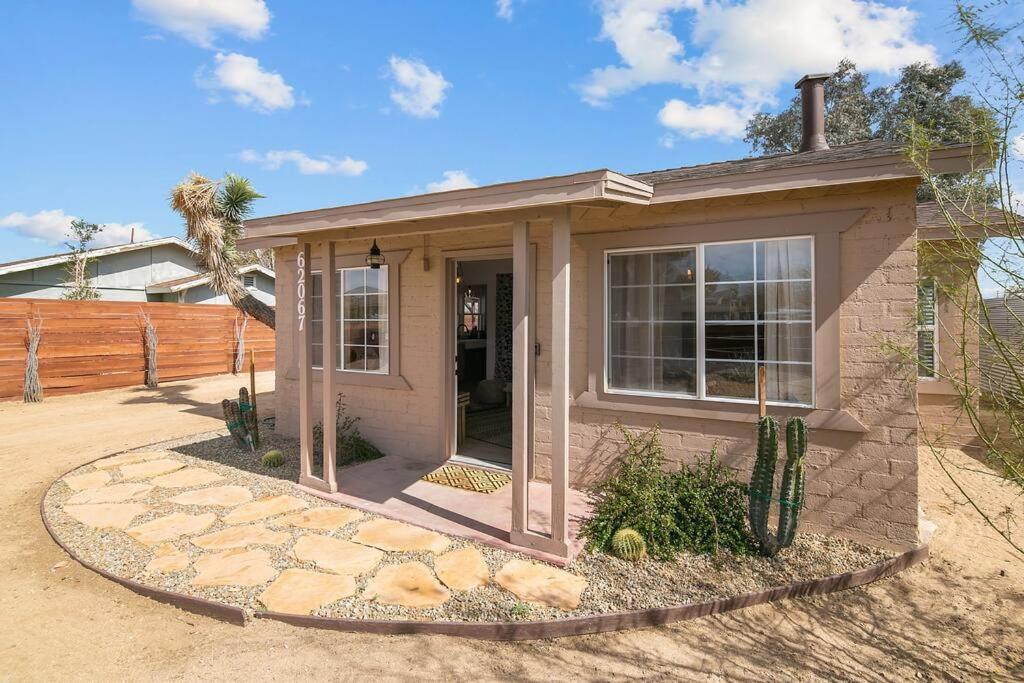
<point x="304" y="278"/>
<point x="560" y="303"/>
<point x="330" y="337"/>
<point x="520" y="374"/>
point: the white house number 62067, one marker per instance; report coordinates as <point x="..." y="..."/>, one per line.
<point x="301" y="289"/>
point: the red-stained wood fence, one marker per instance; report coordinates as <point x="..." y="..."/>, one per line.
<point x="90" y="345"/>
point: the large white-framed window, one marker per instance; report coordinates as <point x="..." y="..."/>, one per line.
<point x="927" y="328"/>
<point x="696" y="321"/>
<point x="362" y="304"/>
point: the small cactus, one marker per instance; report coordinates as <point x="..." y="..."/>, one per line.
<point x="628" y="544"/>
<point x="235" y="423"/>
<point x="274" y="458"/>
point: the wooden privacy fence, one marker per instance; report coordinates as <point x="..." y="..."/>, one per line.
<point x="89" y="345"/>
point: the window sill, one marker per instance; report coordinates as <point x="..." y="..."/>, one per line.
<point x="932" y="385"/>
<point x="358" y="379"/>
<point x="831" y="420"/>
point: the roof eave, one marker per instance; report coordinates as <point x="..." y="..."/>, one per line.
<point x="955" y="159"/>
<point x="601" y="186"/>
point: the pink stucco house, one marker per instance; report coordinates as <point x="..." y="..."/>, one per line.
<point x="509" y="326"/>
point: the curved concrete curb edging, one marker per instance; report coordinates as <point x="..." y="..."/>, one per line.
<point x="513" y="630"/>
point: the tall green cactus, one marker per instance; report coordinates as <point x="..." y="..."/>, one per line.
<point x="791" y="493"/>
<point x="762" y="483"/>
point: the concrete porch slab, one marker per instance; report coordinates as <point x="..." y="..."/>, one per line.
<point x="391" y="487"/>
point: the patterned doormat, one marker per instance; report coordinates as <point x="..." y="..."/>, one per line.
<point x="468" y="478"/>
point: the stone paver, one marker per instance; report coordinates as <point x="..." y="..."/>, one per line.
<point x="541" y="584"/>
<point x="336" y="555"/>
<point x="91" y="480"/>
<point x="241" y="536"/>
<point x="300" y="591"/>
<point x="322" y="519"/>
<point x="218" y="496"/>
<point x="170" y="527"/>
<point x="263" y="508"/>
<point x="190" y="476"/>
<point x="106" y="515"/>
<point x="389" y="534"/>
<point x="128" y="459"/>
<point x="237" y="567"/>
<point x="167" y="559"/>
<point x="115" y="493"/>
<point x="410" y="584"/>
<point x="150" y="468"/>
<point x="462" y="569"/>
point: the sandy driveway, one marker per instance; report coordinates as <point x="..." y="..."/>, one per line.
<point x="959" y="617"/>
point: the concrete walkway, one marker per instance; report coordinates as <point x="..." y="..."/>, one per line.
<point x="958" y="617"/>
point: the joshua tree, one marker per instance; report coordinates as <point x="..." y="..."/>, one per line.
<point x="213" y="213"/>
<point x="79" y="284"/>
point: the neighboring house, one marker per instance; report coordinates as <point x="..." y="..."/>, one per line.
<point x="1006" y="315"/>
<point x="155" y="270"/>
<point x="650" y="298"/>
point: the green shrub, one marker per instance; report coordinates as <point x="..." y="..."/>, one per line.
<point x="699" y="509"/>
<point x="274" y="458"/>
<point x="711" y="508"/>
<point x="627" y="544"/>
<point x="637" y="497"/>
<point x="350" y="446"/>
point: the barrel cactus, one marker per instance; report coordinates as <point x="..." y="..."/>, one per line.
<point x="274" y="458"/>
<point x="628" y="544"/>
<point x="762" y="483"/>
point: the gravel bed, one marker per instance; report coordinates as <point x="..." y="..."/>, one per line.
<point x="613" y="585"/>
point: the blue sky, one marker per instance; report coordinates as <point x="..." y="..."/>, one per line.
<point x="110" y="103"/>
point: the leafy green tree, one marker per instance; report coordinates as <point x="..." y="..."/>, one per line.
<point x="78" y="285"/>
<point x="214" y="211"/>
<point x="924" y="96"/>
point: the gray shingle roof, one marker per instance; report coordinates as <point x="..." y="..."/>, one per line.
<point x="856" y="150"/>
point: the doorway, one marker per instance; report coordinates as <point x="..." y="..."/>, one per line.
<point x="482" y="336"/>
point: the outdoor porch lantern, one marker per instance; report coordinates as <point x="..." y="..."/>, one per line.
<point x="375" y="259"/>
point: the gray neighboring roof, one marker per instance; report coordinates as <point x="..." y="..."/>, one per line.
<point x="855" y="150"/>
<point x="56" y="259"/>
<point x="974" y="222"/>
<point x="190" y="281"/>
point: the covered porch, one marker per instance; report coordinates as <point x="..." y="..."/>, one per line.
<point x="530" y="514"/>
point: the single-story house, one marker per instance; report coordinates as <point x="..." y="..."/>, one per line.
<point x="645" y="298"/>
<point x="153" y="270"/>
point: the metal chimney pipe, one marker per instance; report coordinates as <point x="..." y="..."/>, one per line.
<point x="812" y="101"/>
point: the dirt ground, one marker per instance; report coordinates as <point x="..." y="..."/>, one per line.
<point x="959" y="617"/>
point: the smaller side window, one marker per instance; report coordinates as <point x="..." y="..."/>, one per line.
<point x="248" y="281"/>
<point x="927" y="327"/>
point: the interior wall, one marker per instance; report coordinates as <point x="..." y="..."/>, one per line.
<point x="486" y="273"/>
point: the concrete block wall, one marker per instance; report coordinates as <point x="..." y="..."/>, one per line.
<point x="859" y="485"/>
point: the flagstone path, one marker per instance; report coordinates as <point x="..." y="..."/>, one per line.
<point x="234" y="537"/>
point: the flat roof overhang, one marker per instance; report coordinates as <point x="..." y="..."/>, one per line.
<point x="456" y="209"/>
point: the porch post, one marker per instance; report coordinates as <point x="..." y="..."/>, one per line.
<point x="304" y="278"/>
<point x="520" y="374"/>
<point x="330" y="336"/>
<point x="560" y="378"/>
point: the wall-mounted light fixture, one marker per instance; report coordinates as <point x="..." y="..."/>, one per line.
<point x="375" y="259"/>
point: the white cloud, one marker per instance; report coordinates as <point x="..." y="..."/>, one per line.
<point x="739" y="53"/>
<point x="199" y="21"/>
<point x="504" y="9"/>
<point x="418" y="90"/>
<point x="249" y="85"/>
<point x="704" y="120"/>
<point x="453" y="180"/>
<point x="1017" y="146"/>
<point x="51" y="226"/>
<point x="306" y="165"/>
